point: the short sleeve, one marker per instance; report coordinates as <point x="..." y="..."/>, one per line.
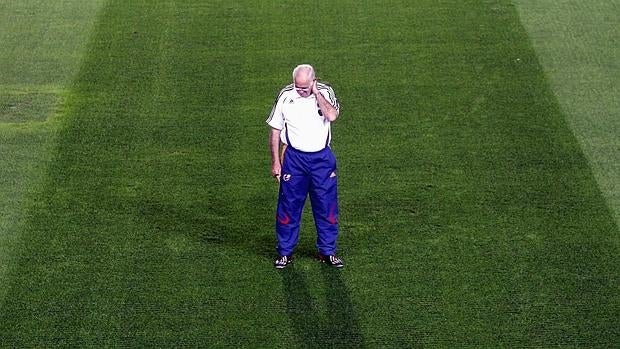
<point x="329" y="95"/>
<point x="276" y="118"/>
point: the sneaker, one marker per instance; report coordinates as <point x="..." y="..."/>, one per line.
<point x="331" y="260"/>
<point x="282" y="262"/>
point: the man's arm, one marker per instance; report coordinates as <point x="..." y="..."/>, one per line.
<point x="329" y="112"/>
<point x="274" y="148"/>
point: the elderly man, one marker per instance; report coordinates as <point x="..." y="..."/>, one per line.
<point x="300" y="120"/>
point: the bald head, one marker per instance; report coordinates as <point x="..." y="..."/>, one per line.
<point x="303" y="78"/>
<point x="303" y="71"/>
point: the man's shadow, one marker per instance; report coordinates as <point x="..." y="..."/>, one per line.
<point x="340" y="329"/>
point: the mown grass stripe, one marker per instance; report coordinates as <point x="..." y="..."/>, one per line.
<point x="43" y="41"/>
<point x="139" y="169"/>
<point x="39" y="58"/>
<point x="465" y="167"/>
<point x="576" y="43"/>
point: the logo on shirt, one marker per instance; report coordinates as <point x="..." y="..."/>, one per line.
<point x="286" y="177"/>
<point x="332" y="175"/>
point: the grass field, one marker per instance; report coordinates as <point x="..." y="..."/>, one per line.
<point x="577" y="45"/>
<point x="139" y="209"/>
<point x="42" y="45"/>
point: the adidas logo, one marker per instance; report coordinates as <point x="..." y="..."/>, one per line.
<point x="332" y="175"/>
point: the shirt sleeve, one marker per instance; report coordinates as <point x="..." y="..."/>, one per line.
<point x="276" y="118"/>
<point x="329" y="95"/>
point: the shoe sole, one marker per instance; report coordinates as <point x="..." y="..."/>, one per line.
<point x="335" y="265"/>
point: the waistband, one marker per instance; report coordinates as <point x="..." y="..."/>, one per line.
<point x="288" y="147"/>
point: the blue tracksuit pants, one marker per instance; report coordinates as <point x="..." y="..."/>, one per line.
<point x="306" y="174"/>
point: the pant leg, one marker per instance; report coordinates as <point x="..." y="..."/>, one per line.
<point x="294" y="183"/>
<point x="324" y="199"/>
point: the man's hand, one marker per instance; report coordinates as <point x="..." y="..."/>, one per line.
<point x="328" y="110"/>
<point x="276" y="170"/>
<point x="314" y="88"/>
<point x="274" y="150"/>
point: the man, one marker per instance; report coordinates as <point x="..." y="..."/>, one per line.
<point x="300" y="120"/>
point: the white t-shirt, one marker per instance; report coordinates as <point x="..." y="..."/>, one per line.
<point x="299" y="119"/>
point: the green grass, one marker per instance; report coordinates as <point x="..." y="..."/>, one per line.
<point x="577" y="45"/>
<point x="42" y="43"/>
<point x="470" y="216"/>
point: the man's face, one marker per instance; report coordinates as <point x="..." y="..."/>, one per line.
<point x="303" y="85"/>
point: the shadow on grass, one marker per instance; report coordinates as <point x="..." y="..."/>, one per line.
<point x="338" y="328"/>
